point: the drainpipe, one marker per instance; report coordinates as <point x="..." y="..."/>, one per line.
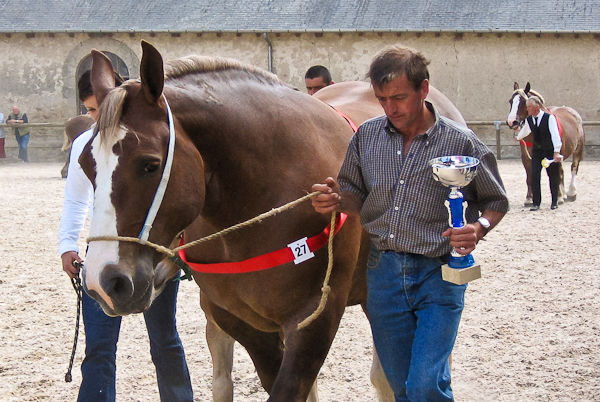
<point x="270" y="51"/>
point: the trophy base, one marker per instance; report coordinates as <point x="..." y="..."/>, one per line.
<point x="460" y="276"/>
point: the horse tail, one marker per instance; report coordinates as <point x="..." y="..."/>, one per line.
<point x="66" y="142"/>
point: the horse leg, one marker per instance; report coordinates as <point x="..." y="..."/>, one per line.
<point x="577" y="157"/>
<point x="305" y="351"/>
<point x="379" y="380"/>
<point x="265" y="348"/>
<point x="220" y="346"/>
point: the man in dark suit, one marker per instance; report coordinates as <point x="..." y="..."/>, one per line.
<point x="546" y="145"/>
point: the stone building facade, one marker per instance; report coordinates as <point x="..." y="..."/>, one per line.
<point x="476" y="70"/>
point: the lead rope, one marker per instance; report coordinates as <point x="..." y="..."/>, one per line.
<point x="76" y="282"/>
<point x="325" y="289"/>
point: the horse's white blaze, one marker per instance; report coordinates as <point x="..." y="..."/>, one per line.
<point x="514" y="109"/>
<point x="104" y="217"/>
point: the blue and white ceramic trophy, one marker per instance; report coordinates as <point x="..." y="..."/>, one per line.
<point x="456" y="172"/>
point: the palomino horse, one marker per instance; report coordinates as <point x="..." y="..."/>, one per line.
<point x="573" y="138"/>
<point x="242" y="143"/>
<point x="357" y="101"/>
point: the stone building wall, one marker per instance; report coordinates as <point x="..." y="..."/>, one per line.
<point x="476" y="71"/>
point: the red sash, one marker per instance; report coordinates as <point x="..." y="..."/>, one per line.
<point x="352" y="124"/>
<point x="264" y="261"/>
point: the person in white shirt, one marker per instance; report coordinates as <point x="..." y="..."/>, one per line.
<point x="102" y="331"/>
<point x="546" y="145"/>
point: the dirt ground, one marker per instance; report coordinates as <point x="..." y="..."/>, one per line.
<point x="529" y="331"/>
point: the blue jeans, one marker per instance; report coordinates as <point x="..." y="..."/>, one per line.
<point x="23" y="141"/>
<point x="414" y="317"/>
<point x="102" y="333"/>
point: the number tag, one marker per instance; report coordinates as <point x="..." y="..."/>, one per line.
<point x="301" y="250"/>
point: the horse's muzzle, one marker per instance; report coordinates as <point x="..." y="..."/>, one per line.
<point x="515" y="125"/>
<point x="127" y="294"/>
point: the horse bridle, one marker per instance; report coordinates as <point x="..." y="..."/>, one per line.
<point x="523" y="95"/>
<point x="158" y="197"/>
<point x="164" y="180"/>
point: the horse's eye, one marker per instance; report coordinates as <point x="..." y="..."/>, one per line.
<point x="152" y="167"/>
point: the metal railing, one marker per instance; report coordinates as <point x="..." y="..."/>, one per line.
<point x="498" y="124"/>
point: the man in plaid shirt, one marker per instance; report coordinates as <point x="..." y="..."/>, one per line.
<point x="387" y="180"/>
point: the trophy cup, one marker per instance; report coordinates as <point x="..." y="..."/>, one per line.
<point x="456" y="172"/>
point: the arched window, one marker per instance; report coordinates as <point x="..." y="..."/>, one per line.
<point x="86" y="64"/>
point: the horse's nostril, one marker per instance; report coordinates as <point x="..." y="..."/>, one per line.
<point x="116" y="284"/>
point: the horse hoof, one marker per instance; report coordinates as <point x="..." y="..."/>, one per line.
<point x="571" y="198"/>
<point x="528" y="203"/>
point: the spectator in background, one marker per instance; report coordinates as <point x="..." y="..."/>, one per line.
<point x="316" y="78"/>
<point x="2" y="135"/>
<point x="21" y="134"/>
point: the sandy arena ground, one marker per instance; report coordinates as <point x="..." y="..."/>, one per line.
<point x="529" y="331"/>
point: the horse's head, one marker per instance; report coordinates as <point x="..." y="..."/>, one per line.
<point x="126" y="160"/>
<point x="518" y="110"/>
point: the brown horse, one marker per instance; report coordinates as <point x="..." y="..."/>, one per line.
<point x="221" y="132"/>
<point x="244" y="143"/>
<point x="573" y="139"/>
<point x="356" y="100"/>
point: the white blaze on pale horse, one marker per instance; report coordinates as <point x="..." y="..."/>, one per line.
<point x="104" y="218"/>
<point x="514" y="109"/>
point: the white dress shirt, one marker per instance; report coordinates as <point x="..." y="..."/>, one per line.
<point x="552" y="125"/>
<point x="79" y="194"/>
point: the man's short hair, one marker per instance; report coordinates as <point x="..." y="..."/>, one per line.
<point x="318" y="71"/>
<point x="535" y="100"/>
<point x="84" y="85"/>
<point x="393" y="62"/>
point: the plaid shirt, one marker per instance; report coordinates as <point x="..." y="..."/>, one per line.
<point x="403" y="206"/>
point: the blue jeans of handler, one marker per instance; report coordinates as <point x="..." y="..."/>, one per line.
<point x="414" y="317"/>
<point x="102" y="333"/>
<point x="23" y="141"/>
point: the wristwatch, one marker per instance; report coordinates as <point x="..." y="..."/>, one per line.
<point x="484" y="222"/>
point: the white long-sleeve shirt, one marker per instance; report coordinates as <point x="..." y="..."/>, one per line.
<point x="79" y="194"/>
<point x="552" y="125"/>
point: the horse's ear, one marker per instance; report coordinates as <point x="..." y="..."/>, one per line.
<point x="102" y="75"/>
<point x="152" y="72"/>
<point x="516" y="86"/>
<point x="527" y="88"/>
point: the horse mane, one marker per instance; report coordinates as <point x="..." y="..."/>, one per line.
<point x="193" y="64"/>
<point x="111" y="109"/>
<point x="523" y="95"/>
